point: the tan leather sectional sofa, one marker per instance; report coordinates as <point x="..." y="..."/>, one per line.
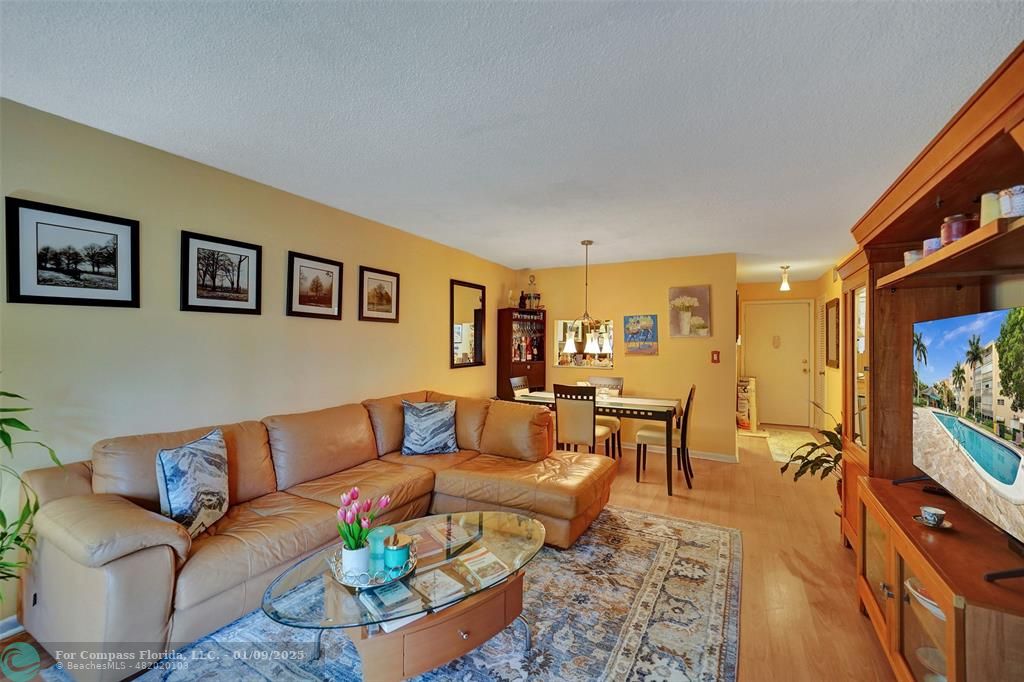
<point x="109" y="569"/>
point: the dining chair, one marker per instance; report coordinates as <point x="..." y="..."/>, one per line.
<point x="655" y="435"/>
<point x="520" y="386"/>
<point x="575" y="423"/>
<point x="614" y="387"/>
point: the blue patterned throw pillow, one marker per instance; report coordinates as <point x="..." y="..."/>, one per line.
<point x="429" y="428"/>
<point x="193" y="482"/>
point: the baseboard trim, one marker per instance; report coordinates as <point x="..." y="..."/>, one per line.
<point x="10" y="626"/>
<point x="694" y="454"/>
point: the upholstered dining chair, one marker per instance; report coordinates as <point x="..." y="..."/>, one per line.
<point x="575" y="423"/>
<point x="520" y="386"/>
<point x="614" y="387"/>
<point x="655" y="435"/>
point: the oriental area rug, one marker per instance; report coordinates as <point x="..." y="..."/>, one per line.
<point x="638" y="597"/>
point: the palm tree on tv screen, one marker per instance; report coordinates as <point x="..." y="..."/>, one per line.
<point x="975" y="356"/>
<point x="959" y="379"/>
<point x="920" y="355"/>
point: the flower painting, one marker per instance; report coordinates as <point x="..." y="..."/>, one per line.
<point x="689" y="311"/>
<point x="641" y="334"/>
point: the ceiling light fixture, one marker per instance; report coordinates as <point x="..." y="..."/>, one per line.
<point x="785" y="279"/>
<point x="586" y="321"/>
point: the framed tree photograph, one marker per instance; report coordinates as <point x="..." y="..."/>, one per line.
<point x="378" y="295"/>
<point x="63" y="256"/>
<point x="220" y="275"/>
<point x="314" y="287"/>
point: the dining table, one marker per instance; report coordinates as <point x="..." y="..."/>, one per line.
<point x="663" y="410"/>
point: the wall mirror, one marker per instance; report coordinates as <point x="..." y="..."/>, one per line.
<point x="832" y="333"/>
<point x="468" y="306"/>
<point x="591" y="344"/>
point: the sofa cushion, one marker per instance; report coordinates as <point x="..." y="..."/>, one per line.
<point x="388" y="419"/>
<point x="562" y="485"/>
<point x="126" y="465"/>
<point x="470" y="415"/>
<point x="433" y="462"/>
<point x="309" y="445"/>
<point x="517" y="430"/>
<point x="374" y="478"/>
<point x="251" y="538"/>
<point x="429" y="428"/>
<point x="193" y="482"/>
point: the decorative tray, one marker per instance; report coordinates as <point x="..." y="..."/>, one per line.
<point x="372" y="578"/>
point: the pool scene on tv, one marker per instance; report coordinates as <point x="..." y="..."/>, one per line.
<point x="969" y="408"/>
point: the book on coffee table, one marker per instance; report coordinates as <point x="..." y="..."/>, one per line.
<point x="437" y="586"/>
<point x="449" y="534"/>
<point x="481" y="565"/>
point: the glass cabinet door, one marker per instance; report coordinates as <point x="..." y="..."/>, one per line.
<point x="860" y="371"/>
<point x="875" y="541"/>
<point x="921" y="641"/>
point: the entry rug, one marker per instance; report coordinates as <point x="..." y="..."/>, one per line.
<point x="638" y="597"/>
<point x="784" y="442"/>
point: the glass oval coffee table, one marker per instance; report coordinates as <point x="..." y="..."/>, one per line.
<point x="467" y="587"/>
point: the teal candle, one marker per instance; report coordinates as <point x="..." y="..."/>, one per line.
<point x="376" y="539"/>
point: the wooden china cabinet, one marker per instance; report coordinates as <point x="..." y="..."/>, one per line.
<point x="923" y="589"/>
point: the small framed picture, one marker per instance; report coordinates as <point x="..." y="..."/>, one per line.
<point x="64" y="256"/>
<point x="378" y="295"/>
<point x="220" y="275"/>
<point x="314" y="286"/>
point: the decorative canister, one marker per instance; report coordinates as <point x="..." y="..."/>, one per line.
<point x="990" y="209"/>
<point x="375" y="539"/>
<point x="1016" y="201"/>
<point x="396" y="550"/>
<point x="912" y="256"/>
<point x="957" y="227"/>
<point x="931" y="245"/>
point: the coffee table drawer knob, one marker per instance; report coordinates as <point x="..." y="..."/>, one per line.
<point x="463" y="634"/>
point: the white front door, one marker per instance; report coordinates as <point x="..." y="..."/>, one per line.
<point x="777" y="351"/>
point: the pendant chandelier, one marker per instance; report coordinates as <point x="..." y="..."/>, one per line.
<point x="586" y="321"/>
<point x="785" y="279"/>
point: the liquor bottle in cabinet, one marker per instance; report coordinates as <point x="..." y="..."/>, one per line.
<point x="522" y="336"/>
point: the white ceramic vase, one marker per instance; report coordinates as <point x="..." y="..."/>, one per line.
<point x="684" y="321"/>
<point x="355" y="561"/>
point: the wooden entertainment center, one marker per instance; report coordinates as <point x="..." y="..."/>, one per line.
<point x="923" y="589"/>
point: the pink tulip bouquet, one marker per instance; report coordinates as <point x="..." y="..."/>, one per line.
<point x="355" y="517"/>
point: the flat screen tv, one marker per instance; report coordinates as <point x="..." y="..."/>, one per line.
<point x="969" y="409"/>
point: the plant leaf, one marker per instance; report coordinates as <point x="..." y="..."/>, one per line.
<point x="15" y="424"/>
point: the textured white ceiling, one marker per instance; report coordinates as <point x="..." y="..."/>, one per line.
<point x="513" y="130"/>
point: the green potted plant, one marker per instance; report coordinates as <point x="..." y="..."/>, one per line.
<point x="16" y="533"/>
<point x="820" y="459"/>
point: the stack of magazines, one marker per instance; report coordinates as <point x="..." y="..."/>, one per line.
<point x="391" y="601"/>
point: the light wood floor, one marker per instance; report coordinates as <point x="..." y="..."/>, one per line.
<point x="798" y="616"/>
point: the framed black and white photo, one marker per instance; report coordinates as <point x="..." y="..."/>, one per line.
<point x="220" y="275"/>
<point x="64" y="256"/>
<point x="314" y="286"/>
<point x="378" y="295"/>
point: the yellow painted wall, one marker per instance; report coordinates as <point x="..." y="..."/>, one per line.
<point x="642" y="287"/>
<point x="95" y="372"/>
<point x="820" y="290"/>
